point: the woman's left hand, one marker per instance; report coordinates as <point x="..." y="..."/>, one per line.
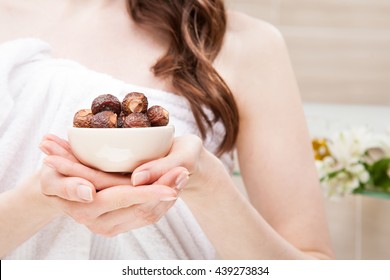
<point x="187" y="151"/>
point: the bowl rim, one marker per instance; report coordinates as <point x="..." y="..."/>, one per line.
<point x="169" y="126"/>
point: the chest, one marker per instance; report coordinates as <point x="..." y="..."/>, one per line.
<point x="103" y="43"/>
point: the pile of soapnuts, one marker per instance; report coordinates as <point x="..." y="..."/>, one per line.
<point x="108" y="112"/>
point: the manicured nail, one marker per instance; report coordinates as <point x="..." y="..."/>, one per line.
<point x="182" y="180"/>
<point x="84" y="192"/>
<point x="140" y="178"/>
<point x="167" y="199"/>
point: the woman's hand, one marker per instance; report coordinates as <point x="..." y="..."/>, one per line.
<point x="186" y="152"/>
<point x="106" y="203"/>
<point x="206" y="171"/>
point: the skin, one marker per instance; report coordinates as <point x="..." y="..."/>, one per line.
<point x="283" y="216"/>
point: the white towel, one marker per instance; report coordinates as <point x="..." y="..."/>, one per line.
<point x="39" y="95"/>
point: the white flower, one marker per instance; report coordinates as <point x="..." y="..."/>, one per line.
<point x="351" y="153"/>
<point x="347" y="147"/>
<point x="330" y="161"/>
<point x="342" y="183"/>
<point x="364" y="177"/>
<point x="356" y="168"/>
<point x="352" y="184"/>
<point x="383" y="143"/>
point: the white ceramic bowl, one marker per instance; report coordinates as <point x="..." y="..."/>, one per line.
<point x="120" y="149"/>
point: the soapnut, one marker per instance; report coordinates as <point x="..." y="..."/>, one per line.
<point x="134" y="102"/>
<point x="104" y="119"/>
<point x="158" y="116"/>
<point x="136" y="120"/>
<point x="82" y="118"/>
<point x="106" y="102"/>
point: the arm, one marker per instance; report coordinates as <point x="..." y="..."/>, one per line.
<point x="274" y="151"/>
<point x="284" y="217"/>
<point x="23" y="211"/>
<point x="220" y="208"/>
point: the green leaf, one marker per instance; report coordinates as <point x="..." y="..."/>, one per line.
<point x="333" y="174"/>
<point x="359" y="189"/>
<point x="379" y="173"/>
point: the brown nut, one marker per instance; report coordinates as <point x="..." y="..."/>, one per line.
<point x="106" y="102"/>
<point x="82" y="118"/>
<point x="136" y="120"/>
<point x="121" y="120"/>
<point x="158" y="116"/>
<point x="134" y="102"/>
<point x="105" y="119"/>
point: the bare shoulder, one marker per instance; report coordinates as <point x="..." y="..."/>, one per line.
<point x="249" y="28"/>
<point x="251" y="45"/>
<point x="249" y="38"/>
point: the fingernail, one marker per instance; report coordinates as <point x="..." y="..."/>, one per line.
<point x="84" y="192"/>
<point x="167" y="199"/>
<point x="182" y="180"/>
<point x="140" y="178"/>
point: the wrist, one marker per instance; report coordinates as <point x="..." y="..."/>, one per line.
<point x="23" y="212"/>
<point x="29" y="195"/>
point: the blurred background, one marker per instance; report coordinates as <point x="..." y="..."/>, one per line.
<point x="340" y="51"/>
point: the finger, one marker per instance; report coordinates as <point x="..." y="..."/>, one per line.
<point x="125" y="196"/>
<point x="50" y="147"/>
<point x="126" y="219"/>
<point x="140" y="213"/>
<point x="68" y="188"/>
<point x="167" y="177"/>
<point x="176" y="178"/>
<point x="99" y="179"/>
<point x="63" y="143"/>
<point x="185" y="152"/>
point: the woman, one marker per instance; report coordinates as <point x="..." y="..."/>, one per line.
<point x="233" y="88"/>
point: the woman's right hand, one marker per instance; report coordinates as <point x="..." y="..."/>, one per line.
<point x="106" y="203"/>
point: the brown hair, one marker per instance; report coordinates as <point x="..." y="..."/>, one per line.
<point x="196" y="29"/>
